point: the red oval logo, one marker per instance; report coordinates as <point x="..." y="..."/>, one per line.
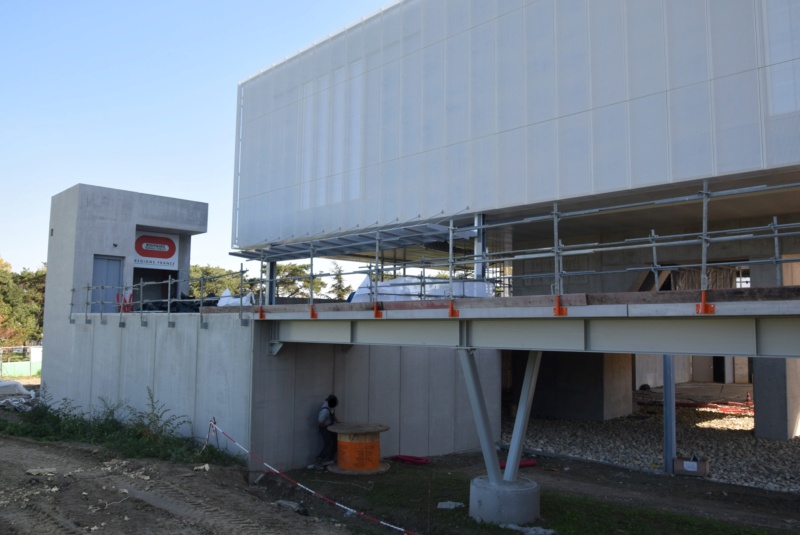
<point x="155" y="246"/>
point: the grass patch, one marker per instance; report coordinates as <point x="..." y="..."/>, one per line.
<point x="570" y="515"/>
<point x="407" y="496"/>
<point x="120" y="428"/>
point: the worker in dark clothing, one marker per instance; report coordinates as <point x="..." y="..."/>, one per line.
<point x="326" y="417"/>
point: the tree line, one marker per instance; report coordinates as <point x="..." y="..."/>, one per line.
<point x="293" y="280"/>
<point x="21" y="305"/>
<point x="22" y="294"/>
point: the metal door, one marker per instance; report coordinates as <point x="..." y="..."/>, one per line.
<point x="106" y="273"/>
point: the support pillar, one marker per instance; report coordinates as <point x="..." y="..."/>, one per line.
<point x="669" y="414"/>
<point x="776" y="393"/>
<point x="478" y="404"/>
<point x="523" y="416"/>
<point x="492" y="499"/>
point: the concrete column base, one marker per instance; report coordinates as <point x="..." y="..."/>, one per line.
<point x="514" y="502"/>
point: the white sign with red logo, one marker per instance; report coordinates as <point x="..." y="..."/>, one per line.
<point x="156" y="251"/>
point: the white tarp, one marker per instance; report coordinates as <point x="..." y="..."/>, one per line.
<point x="419" y="289"/>
<point x="229" y="300"/>
<point x="10" y="388"/>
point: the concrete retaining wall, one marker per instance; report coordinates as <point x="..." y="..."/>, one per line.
<point x="225" y="371"/>
<point x="199" y="373"/>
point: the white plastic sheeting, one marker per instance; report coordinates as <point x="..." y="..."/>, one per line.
<point x="419" y="289"/>
<point x="433" y="108"/>
<point x="8" y="388"/>
<point x="227" y="299"/>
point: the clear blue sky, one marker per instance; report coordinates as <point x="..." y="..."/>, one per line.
<point x="138" y="96"/>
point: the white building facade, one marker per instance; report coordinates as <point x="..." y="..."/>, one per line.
<point x="432" y="108"/>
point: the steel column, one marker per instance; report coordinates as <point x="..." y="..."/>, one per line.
<point x="523" y="414"/>
<point x="669" y="413"/>
<point x="558" y="285"/>
<point x="704" y="251"/>
<point x="476" y="400"/>
<point x="480" y="248"/>
<point x="777" y="245"/>
<point x="272" y="277"/>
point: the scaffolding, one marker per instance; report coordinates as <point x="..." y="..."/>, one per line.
<point x="481" y="250"/>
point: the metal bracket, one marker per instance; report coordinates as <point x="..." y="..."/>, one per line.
<point x="244" y="322"/>
<point x="558" y="310"/>
<point x="704" y="307"/>
<point x="452" y="312"/>
<point x="274" y="348"/>
<point x="171" y="324"/>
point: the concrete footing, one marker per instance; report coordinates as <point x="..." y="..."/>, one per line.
<point x="511" y="502"/>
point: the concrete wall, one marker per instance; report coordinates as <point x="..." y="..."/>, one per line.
<point x="419" y="393"/>
<point x="89" y="220"/>
<point x="583" y="386"/>
<point x="776" y="384"/>
<point x="194" y="372"/>
<point x="649" y="370"/>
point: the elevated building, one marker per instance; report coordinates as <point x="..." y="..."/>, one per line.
<point x="615" y="169"/>
<point x="554" y="147"/>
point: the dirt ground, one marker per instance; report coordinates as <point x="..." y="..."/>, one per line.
<point x="76" y="489"/>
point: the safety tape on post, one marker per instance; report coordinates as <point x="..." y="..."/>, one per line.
<point x="214" y="428"/>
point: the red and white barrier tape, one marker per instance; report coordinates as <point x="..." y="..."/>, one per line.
<point x="213" y="428"/>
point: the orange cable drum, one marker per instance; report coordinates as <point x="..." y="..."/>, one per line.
<point x="359" y="447"/>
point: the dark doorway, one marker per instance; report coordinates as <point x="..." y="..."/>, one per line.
<point x="156" y="293"/>
<point x="719" y="370"/>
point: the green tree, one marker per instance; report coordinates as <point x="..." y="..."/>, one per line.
<point x="21" y="305"/>
<point x="338" y="289"/>
<point x="216" y="280"/>
<point x="294" y="281"/>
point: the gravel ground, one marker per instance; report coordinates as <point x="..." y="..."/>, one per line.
<point x="736" y="456"/>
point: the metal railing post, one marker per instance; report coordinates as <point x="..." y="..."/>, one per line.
<point x="704" y="253"/>
<point x="558" y="288"/>
<point x="653" y="237"/>
<point x="777" y="245"/>
<point x="88" y="303"/>
<point x="450" y="260"/>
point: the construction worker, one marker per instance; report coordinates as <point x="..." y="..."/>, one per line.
<point x="326" y="417"/>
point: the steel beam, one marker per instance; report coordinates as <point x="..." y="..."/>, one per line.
<point x="476" y="400"/>
<point x="776" y="336"/>
<point x="523" y="416"/>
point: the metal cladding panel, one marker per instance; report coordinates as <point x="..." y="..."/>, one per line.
<point x="432" y="108"/>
